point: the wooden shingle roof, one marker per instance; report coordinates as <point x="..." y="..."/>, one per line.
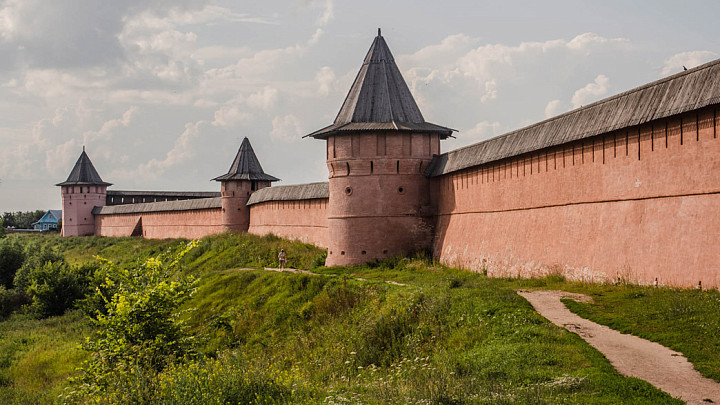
<point x="246" y="166"/>
<point x="291" y="192"/>
<point x="686" y="91"/>
<point x="160" y="206"/>
<point x="83" y="173"/>
<point x="379" y="99"/>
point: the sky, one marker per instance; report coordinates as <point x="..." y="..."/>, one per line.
<point x="162" y="92"/>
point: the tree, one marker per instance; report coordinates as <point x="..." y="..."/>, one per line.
<point x="22" y="220"/>
<point x="12" y="257"/>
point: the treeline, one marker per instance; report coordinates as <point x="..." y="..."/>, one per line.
<point x="21" y="220"/>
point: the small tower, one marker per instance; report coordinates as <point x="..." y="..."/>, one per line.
<point x="244" y="177"/>
<point x="377" y="151"/>
<point x="81" y="192"/>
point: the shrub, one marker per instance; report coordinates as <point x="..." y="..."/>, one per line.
<point x="56" y="286"/>
<point x="36" y="255"/>
<point x="139" y="330"/>
<point x="11" y="259"/>
<point x="11" y="301"/>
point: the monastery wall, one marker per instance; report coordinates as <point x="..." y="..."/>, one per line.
<point x="303" y="220"/>
<point x="188" y="224"/>
<point x="635" y="203"/>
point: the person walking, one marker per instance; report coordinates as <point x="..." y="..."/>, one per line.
<point x="281" y="258"/>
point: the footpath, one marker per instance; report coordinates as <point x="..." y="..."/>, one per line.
<point x="631" y="356"/>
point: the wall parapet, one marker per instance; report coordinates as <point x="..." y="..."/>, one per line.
<point x="160" y="206"/>
<point x="293" y="192"/>
<point x="119" y="197"/>
<point x="673" y="95"/>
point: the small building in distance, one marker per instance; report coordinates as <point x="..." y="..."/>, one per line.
<point x="49" y="221"/>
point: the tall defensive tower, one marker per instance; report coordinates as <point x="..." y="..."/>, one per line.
<point x="83" y="190"/>
<point x="377" y="151"/>
<point x="244" y="177"/>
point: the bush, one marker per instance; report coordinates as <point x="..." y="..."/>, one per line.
<point x="36" y="256"/>
<point x="11" y="259"/>
<point x="56" y="286"/>
<point x="11" y="301"/>
<point x="139" y="330"/>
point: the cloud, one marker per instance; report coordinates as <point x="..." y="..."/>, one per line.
<point x="60" y="157"/>
<point x="316" y="36"/>
<point x="326" y="80"/>
<point x="229" y="115"/>
<point x="482" y="131"/>
<point x="183" y="150"/>
<point x="591" y="92"/>
<point x="552" y="108"/>
<point x="106" y="130"/>
<point x="328" y="13"/>
<point x="675" y="63"/>
<point x="264" y="99"/>
<point x="285" y="129"/>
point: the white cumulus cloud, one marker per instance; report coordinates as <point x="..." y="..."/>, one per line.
<point x="675" y="63"/>
<point x="591" y="92"/>
<point x="285" y="129"/>
<point x="553" y="108"/>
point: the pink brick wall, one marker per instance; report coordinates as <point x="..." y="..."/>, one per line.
<point x="304" y="220"/>
<point x="160" y="225"/>
<point x="637" y="204"/>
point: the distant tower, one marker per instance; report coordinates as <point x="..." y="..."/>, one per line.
<point x="81" y="192"/>
<point x="377" y="151"/>
<point x="244" y="177"/>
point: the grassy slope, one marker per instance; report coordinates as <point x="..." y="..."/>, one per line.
<point x="448" y="337"/>
<point x="37" y="356"/>
<point x="445" y="336"/>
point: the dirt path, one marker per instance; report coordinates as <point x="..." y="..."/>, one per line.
<point x="666" y="369"/>
<point x="291" y="270"/>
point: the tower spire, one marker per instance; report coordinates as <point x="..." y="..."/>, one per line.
<point x="379" y="99"/>
<point x="84" y="173"/>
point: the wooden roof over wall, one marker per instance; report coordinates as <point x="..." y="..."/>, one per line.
<point x="683" y="92"/>
<point x="292" y="192"/>
<point x="160" y="206"/>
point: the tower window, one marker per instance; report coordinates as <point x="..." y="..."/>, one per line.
<point x="253" y="185"/>
<point x="348" y="190"/>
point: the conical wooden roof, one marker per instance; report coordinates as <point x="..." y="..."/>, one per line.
<point x="246" y="166"/>
<point x="379" y="99"/>
<point x="84" y="173"/>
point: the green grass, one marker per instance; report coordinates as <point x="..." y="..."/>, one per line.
<point x="446" y="337"/>
<point x="685" y="320"/>
<point x="37" y="356"/>
<point x="345" y="335"/>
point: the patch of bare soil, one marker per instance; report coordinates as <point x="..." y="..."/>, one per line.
<point x="632" y="356"/>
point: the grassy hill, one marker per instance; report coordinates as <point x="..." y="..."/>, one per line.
<point x="399" y="331"/>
